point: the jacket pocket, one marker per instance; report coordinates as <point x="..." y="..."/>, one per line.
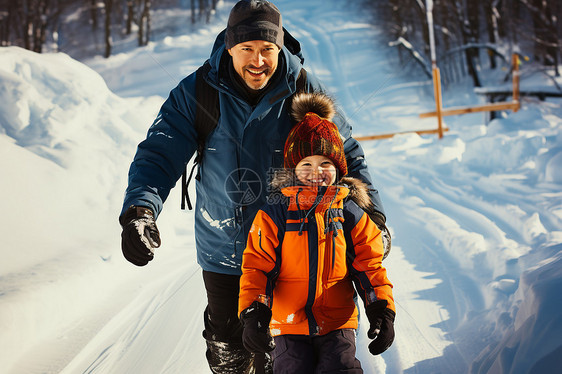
<point x="336" y="248"/>
<point x="276" y="148"/>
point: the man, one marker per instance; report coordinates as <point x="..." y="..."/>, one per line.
<point x="254" y="65"/>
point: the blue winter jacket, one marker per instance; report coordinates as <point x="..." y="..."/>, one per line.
<point x="239" y="156"/>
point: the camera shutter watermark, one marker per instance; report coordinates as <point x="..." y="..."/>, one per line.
<point x="243" y="186"/>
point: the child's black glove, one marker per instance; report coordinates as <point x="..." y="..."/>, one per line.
<point x="382" y="326"/>
<point x="256" y="336"/>
<point x="140" y="235"/>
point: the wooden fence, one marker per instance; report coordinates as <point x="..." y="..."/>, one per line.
<point x="440" y="112"/>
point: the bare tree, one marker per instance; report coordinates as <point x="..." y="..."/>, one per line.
<point x="107" y="27"/>
<point x="202" y="8"/>
<point x="94" y="14"/>
<point x="466" y="28"/>
<point x="4" y="26"/>
<point x="492" y="15"/>
<point x="546" y="42"/>
<point x="130" y="16"/>
<point x="28" y="23"/>
<point x="144" y="23"/>
<point x="193" y="19"/>
<point x="469" y="18"/>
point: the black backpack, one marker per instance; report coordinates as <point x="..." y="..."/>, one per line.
<point x="207" y="115"/>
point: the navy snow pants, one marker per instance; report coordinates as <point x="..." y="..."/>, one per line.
<point x="330" y="353"/>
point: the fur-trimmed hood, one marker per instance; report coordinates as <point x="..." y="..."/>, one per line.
<point x="358" y="190"/>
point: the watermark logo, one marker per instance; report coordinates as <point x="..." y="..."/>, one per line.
<point x="243" y="186"/>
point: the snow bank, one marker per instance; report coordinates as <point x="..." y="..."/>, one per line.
<point x="69" y="140"/>
<point x="531" y="344"/>
<point x="481" y="209"/>
<point x="65" y="143"/>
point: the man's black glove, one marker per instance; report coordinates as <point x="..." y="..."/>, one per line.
<point x="382" y="326"/>
<point x="380" y="221"/>
<point x="256" y="336"/>
<point x="140" y="235"/>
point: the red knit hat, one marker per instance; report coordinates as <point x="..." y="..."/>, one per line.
<point x="314" y="134"/>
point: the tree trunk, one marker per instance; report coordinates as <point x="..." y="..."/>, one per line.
<point x="27" y="25"/>
<point x="468" y="37"/>
<point x="397" y="20"/>
<point x="202" y="7"/>
<point x="108" y="40"/>
<point x="144" y="24"/>
<point x="192" y="11"/>
<point x="41" y="18"/>
<point x="147" y="18"/>
<point x="4" y="28"/>
<point x="130" y="16"/>
<point x="421" y="16"/>
<point x="473" y="32"/>
<point x="141" y="25"/>
<point x="552" y="42"/>
<point x="94" y="14"/>
<point x="492" y="28"/>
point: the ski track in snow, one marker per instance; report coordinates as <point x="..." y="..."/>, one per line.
<point x="156" y="312"/>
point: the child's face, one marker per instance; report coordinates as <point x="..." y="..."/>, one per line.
<point x="316" y="171"/>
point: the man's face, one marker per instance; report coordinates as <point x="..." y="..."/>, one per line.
<point x="255" y="61"/>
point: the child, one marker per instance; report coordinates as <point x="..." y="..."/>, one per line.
<point x="305" y="250"/>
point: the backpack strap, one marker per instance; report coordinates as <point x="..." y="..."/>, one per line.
<point x="207" y="112"/>
<point x="301" y="82"/>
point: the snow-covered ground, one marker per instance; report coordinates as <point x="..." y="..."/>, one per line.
<point x="476" y="217"/>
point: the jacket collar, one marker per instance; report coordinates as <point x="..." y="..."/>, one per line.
<point x="356" y="189"/>
<point x="305" y="197"/>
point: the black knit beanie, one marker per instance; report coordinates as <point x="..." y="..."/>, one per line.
<point x="254" y="20"/>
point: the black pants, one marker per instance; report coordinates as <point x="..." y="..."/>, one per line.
<point x="223" y="330"/>
<point x="221" y="316"/>
<point x="330" y="353"/>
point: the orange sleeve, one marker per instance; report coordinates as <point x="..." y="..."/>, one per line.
<point x="367" y="261"/>
<point x="258" y="259"/>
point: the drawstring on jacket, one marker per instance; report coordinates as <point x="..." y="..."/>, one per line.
<point x="301" y="219"/>
<point x="312" y="209"/>
<point x="330" y="221"/>
<point x="331" y="226"/>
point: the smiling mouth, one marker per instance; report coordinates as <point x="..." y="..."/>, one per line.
<point x="316" y="182"/>
<point x="256" y="73"/>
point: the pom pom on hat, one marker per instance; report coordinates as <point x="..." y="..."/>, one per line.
<point x="318" y="103"/>
<point x="315" y="133"/>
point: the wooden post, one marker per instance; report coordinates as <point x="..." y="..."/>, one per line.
<point x="435" y="69"/>
<point x="515" y="72"/>
<point x="438" y="103"/>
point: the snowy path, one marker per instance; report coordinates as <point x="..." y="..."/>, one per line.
<point x="465" y="211"/>
<point x="334" y="53"/>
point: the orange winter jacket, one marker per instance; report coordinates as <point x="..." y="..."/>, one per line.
<point x="306" y="251"/>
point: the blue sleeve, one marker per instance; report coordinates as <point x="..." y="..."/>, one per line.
<point x="355" y="157"/>
<point x="357" y="168"/>
<point x="161" y="158"/>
